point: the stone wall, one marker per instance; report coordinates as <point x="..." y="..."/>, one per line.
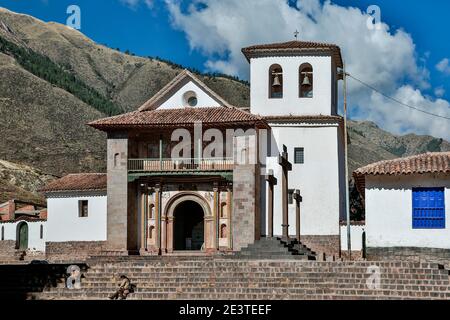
<point x="117" y="208"/>
<point x="246" y="225"/>
<point x="328" y="245"/>
<point x="441" y="256"/>
<point x="7" y="247"/>
<point x="74" y="250"/>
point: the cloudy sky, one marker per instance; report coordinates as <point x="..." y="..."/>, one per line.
<point x="405" y="55"/>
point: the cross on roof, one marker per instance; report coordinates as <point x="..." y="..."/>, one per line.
<point x="296" y="33"/>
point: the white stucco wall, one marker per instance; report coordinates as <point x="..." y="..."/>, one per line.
<point x="389" y="212"/>
<point x="177" y="100"/>
<point x="318" y="178"/>
<point x="356" y="233"/>
<point x="35" y="243"/>
<point x="64" y="224"/>
<point x="323" y="98"/>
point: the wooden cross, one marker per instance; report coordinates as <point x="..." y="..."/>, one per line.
<point x="272" y="182"/>
<point x="286" y="167"/>
<point x="298" y="199"/>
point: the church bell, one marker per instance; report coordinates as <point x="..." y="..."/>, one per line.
<point x="276" y="81"/>
<point x="306" y="81"/>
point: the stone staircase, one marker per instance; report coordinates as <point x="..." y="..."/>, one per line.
<point x="275" y="248"/>
<point x="224" y="278"/>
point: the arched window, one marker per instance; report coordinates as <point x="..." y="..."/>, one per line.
<point x="3" y="233"/>
<point x="306" y="78"/>
<point x="151" y="232"/>
<point x="223" y="210"/>
<point x="275" y="81"/>
<point x="116" y="160"/>
<point x="41" y="232"/>
<point x="151" y="211"/>
<point x="223" y="231"/>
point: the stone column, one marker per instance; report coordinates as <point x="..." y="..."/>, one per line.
<point x="272" y="182"/>
<point x="216" y="215"/>
<point x="169" y="235"/>
<point x="144" y="214"/>
<point x="298" y="199"/>
<point x="158" y="217"/>
<point x="229" y="212"/>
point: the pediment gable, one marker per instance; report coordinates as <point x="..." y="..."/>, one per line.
<point x="181" y="91"/>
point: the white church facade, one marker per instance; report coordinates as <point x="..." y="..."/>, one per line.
<point x="169" y="188"/>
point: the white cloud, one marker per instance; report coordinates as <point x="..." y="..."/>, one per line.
<point x="444" y="66"/>
<point x="439" y="92"/>
<point x="135" y="3"/>
<point x="384" y="58"/>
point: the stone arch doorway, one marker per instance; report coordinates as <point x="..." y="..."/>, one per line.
<point x="22" y="236"/>
<point x="188" y="220"/>
<point x="179" y="205"/>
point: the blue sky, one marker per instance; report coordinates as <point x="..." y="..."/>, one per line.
<point x="416" y="35"/>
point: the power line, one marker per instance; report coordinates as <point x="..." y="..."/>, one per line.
<point x="396" y="100"/>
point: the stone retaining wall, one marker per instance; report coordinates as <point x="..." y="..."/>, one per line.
<point x="441" y="256"/>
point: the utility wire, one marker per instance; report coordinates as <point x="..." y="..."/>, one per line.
<point x="396" y="100"/>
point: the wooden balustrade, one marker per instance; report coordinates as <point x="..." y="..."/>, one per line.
<point x="182" y="164"/>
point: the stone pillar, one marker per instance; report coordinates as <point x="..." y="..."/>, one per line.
<point x="229" y="213"/>
<point x="144" y="214"/>
<point x="272" y="182"/>
<point x="169" y="235"/>
<point x="216" y="215"/>
<point x="117" y="188"/>
<point x="158" y="217"/>
<point x="298" y="199"/>
<point x="246" y="193"/>
<point x="163" y="233"/>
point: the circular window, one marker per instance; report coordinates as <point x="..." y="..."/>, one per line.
<point x="190" y="99"/>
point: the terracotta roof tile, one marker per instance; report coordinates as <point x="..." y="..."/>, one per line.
<point x="78" y="182"/>
<point x="437" y="162"/>
<point x="295" y="46"/>
<point x="178" y="117"/>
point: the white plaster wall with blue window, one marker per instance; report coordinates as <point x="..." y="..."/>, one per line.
<point x="389" y="211"/>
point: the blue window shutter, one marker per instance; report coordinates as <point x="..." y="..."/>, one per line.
<point x="428" y="208"/>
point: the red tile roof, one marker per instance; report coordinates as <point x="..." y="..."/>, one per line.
<point x="437" y="162"/>
<point x="179" y="117"/>
<point x="78" y="182"/>
<point x="295" y="47"/>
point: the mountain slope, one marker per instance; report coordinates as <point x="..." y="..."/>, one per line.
<point x="127" y="80"/>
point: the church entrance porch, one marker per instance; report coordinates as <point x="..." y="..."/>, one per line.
<point x="188" y="226"/>
<point x="177" y="215"/>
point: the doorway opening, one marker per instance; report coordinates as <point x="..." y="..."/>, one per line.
<point x="188" y="226"/>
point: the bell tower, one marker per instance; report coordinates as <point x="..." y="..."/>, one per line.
<point x="294" y="78"/>
<point x="294" y="88"/>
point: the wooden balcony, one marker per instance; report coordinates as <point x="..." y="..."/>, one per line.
<point x="180" y="165"/>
